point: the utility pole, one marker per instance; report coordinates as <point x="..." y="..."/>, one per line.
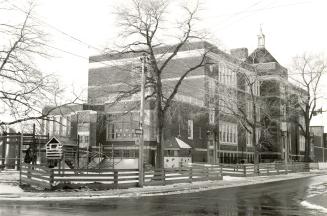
<point x="141" y="144"/>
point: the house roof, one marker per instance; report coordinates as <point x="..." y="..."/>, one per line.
<point x="260" y="55"/>
<point x="176" y="143"/>
<point x="61" y="140"/>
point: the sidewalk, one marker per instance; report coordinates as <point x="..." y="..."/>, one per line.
<point x="10" y="191"/>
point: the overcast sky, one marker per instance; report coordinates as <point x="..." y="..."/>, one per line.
<point x="79" y="28"/>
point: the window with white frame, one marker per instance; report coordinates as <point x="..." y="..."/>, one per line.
<point x="45" y="126"/>
<point x="228" y="133"/>
<point x="211" y="89"/>
<point x="68" y="125"/>
<point x="56" y="125"/>
<point x="302" y="143"/>
<point x="50" y="126"/>
<point x="249" y="110"/>
<point x="190" y="129"/>
<point x="64" y="126"/>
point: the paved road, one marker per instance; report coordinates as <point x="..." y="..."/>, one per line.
<point x="279" y="198"/>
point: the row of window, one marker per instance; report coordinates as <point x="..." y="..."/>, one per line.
<point x="189" y="100"/>
<point x="57" y="125"/>
<point x="224" y="73"/>
<point x="122" y="127"/>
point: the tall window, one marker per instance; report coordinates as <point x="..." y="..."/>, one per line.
<point x="64" y="126"/>
<point x="68" y="125"/>
<point x="302" y="143"/>
<point x="190" y="129"/>
<point x="228" y="133"/>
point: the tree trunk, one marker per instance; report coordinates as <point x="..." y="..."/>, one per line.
<point x="256" y="153"/>
<point x="254" y="135"/>
<point x="160" y="148"/>
<point x="307" y="135"/>
<point x="307" y="144"/>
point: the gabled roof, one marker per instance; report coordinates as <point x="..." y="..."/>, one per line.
<point x="260" y="55"/>
<point x="64" y="141"/>
<point x="176" y="143"/>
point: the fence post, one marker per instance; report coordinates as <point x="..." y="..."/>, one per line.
<point x="207" y="173"/>
<point x="163" y="176"/>
<point x="190" y="175"/>
<point x="29" y="171"/>
<point x="244" y="170"/>
<point x="267" y="168"/>
<point x="277" y="168"/>
<point x="115" y="179"/>
<point x="51" y="179"/>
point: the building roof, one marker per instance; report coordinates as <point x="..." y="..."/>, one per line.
<point x="260" y="55"/>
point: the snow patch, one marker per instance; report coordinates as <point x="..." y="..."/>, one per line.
<point x="313" y="206"/>
<point x="232" y="178"/>
<point x="5" y="189"/>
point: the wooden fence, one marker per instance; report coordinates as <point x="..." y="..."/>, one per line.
<point x="36" y="175"/>
<point x="246" y="170"/>
<point x="47" y="178"/>
<point x="116" y="178"/>
<point x="180" y="175"/>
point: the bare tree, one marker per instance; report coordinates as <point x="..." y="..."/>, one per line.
<point x="24" y="89"/>
<point x="307" y="71"/>
<point x="146" y="29"/>
<point x="244" y="104"/>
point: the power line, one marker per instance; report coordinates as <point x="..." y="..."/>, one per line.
<point x="54" y="27"/>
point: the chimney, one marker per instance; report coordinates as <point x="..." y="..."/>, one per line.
<point x="240" y="53"/>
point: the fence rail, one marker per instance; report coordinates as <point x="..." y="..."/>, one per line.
<point x="36" y="175"/>
<point x="179" y="175"/>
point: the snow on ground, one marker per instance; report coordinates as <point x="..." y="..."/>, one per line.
<point x="233" y="178"/>
<point x="9" y="176"/>
<point x="314" y="206"/>
<point x="9" y="189"/>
